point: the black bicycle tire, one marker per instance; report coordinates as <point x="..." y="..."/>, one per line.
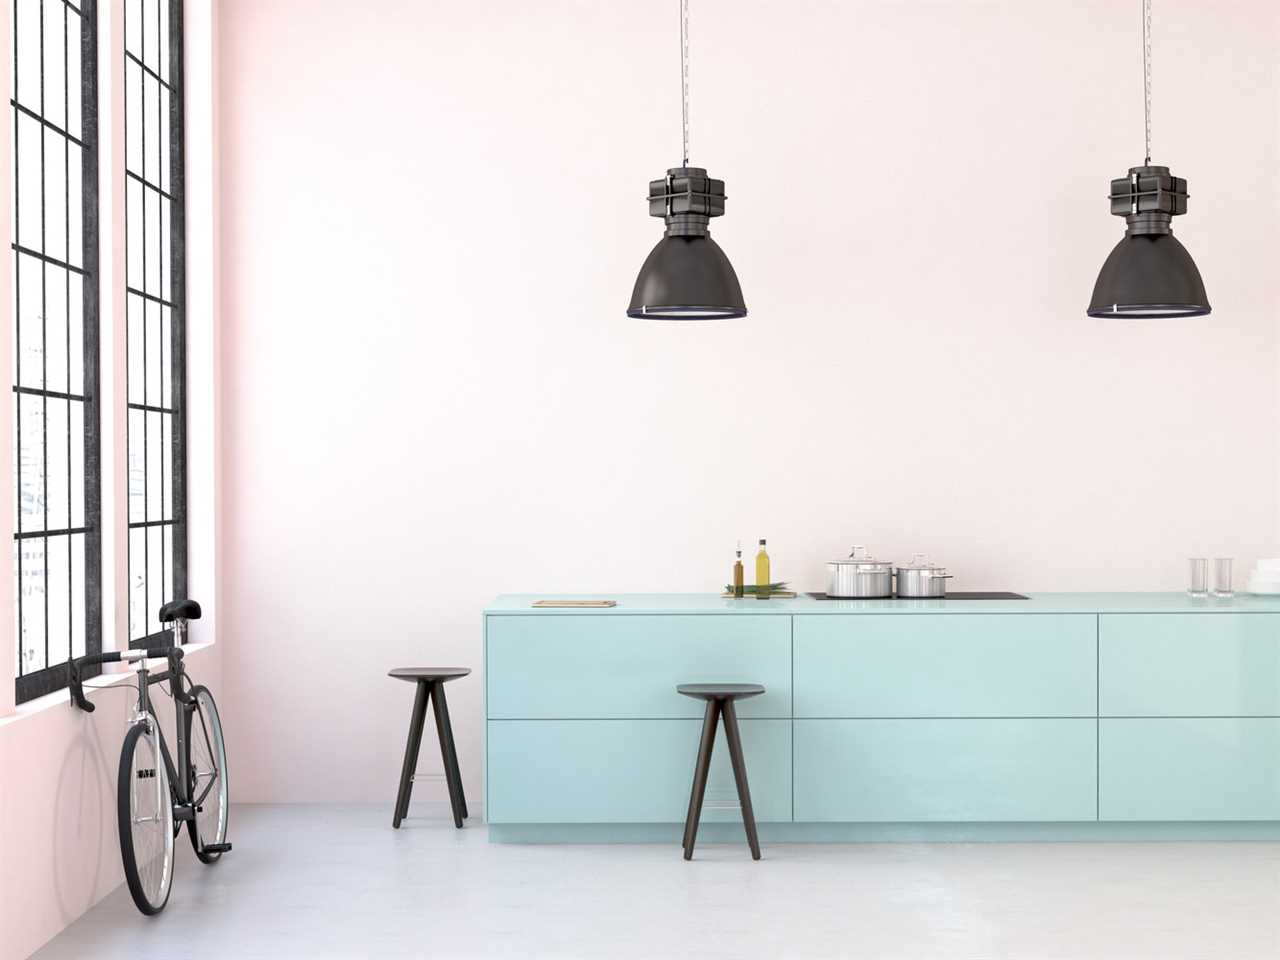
<point x="125" y="824"/>
<point x="192" y="827"/>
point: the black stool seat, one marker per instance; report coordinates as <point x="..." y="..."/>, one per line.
<point x="720" y="698"/>
<point x="429" y="673"/>
<point x="720" y="691"/>
<point x="430" y="686"/>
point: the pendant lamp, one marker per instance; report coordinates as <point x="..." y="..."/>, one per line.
<point x="1149" y="273"/>
<point x="686" y="276"/>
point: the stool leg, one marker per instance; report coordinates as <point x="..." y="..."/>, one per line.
<point x="700" y="773"/>
<point x="447" y="753"/>
<point x="453" y="748"/>
<point x="411" y="753"/>
<point x="740" y="775"/>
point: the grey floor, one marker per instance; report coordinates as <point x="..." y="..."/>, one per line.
<point x="320" y="882"/>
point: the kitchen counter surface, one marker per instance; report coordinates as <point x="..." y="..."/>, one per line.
<point x="640" y="604"/>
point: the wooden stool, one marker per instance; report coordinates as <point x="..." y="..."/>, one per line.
<point x="430" y="681"/>
<point x="720" y="698"/>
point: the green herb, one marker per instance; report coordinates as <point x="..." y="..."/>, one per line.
<point x="773" y="588"/>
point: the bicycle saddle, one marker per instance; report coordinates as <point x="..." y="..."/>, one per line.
<point x="179" y="610"/>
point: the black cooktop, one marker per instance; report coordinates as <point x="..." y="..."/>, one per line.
<point x="958" y="595"/>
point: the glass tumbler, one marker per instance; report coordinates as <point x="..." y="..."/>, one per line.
<point x="1222" y="584"/>
<point x="1199" y="573"/>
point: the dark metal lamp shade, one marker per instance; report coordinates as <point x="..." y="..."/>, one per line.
<point x="687" y="278"/>
<point x="1149" y="274"/>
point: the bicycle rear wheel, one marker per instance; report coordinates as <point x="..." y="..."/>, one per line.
<point x="209" y="776"/>
<point x="145" y="809"/>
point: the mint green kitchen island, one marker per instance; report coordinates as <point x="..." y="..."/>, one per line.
<point x="1062" y="716"/>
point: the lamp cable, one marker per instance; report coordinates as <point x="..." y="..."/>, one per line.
<point x="684" y="78"/>
<point x="1146" y="74"/>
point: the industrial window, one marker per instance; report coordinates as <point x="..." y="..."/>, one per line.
<point x="57" y="553"/>
<point x="155" y="284"/>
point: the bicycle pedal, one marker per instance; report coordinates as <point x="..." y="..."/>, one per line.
<point x="217" y="848"/>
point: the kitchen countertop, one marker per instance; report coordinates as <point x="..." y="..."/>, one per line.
<point x="632" y="604"/>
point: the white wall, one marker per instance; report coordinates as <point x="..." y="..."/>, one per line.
<point x="433" y="215"/>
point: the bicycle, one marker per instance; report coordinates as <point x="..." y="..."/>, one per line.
<point x="154" y="797"/>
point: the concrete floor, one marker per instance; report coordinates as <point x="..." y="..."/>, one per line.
<point x="329" y="882"/>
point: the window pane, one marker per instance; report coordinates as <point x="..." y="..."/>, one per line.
<point x="58" y="489"/>
<point x="58" y="554"/>
<point x="77" y="595"/>
<point x="26" y="27"/>
<point x="133" y="233"/>
<point x="29" y="207"/>
<point x="155" y="578"/>
<point x="55" y="18"/>
<point x="155" y="468"/>
<point x="30" y="462"/>
<point x="150" y="33"/>
<point x="75" y="124"/>
<point x="154" y="358"/>
<point x="55" y="195"/>
<point x="137" y="582"/>
<point x="32" y="595"/>
<point x="76" y="435"/>
<point x="136" y="342"/>
<point x="55" y="328"/>
<point x="75" y="211"/>
<point x="30" y="346"/>
<point x="75" y="316"/>
<point x="151" y="256"/>
<point x="137" y="467"/>
<point x="133" y="27"/>
<point x="132" y="118"/>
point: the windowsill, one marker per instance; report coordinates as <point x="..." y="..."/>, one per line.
<point x="62" y="698"/>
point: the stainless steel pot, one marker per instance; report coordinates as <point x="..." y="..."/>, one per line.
<point x="859" y="576"/>
<point x="920" y="578"/>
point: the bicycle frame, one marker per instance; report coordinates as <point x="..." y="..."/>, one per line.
<point x="184" y="787"/>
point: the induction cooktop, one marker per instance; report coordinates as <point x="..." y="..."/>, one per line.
<point x="958" y="595"/>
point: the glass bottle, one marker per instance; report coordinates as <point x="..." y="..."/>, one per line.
<point x="738" y="589"/>
<point x="762" y="573"/>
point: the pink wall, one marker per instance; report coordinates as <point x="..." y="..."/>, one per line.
<point x="433" y="216"/>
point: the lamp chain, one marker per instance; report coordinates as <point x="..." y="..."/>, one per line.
<point x="684" y="76"/>
<point x="1146" y="72"/>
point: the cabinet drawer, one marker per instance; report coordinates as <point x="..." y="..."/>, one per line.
<point x="1204" y="768"/>
<point x="946" y="665"/>
<point x="615" y="667"/>
<point x="945" y="770"/>
<point x="1190" y="665"/>
<point x="629" y="771"/>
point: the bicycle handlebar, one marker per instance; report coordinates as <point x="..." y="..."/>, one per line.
<point x="75" y="681"/>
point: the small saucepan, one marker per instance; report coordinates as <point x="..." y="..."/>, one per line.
<point x="920" y="578"/>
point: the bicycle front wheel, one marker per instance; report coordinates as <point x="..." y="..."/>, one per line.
<point x="145" y="808"/>
<point x="208" y="775"/>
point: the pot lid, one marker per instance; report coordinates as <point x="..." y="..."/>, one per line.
<point x="920" y="561"/>
<point x="859" y="557"/>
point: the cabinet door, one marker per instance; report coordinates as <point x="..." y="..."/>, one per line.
<point x="945" y="770"/>
<point x="1190" y="665"/>
<point x="615" y="667"/>
<point x="1202" y="768"/>
<point x="629" y="771"/>
<point x="946" y="665"/>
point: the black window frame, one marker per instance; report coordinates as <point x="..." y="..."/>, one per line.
<point x="53" y="677"/>
<point x="175" y="196"/>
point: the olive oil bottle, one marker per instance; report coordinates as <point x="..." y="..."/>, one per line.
<point x="738" y="590"/>
<point x="762" y="573"/>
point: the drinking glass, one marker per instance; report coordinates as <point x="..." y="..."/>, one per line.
<point x="1199" y="577"/>
<point x="1222" y="585"/>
